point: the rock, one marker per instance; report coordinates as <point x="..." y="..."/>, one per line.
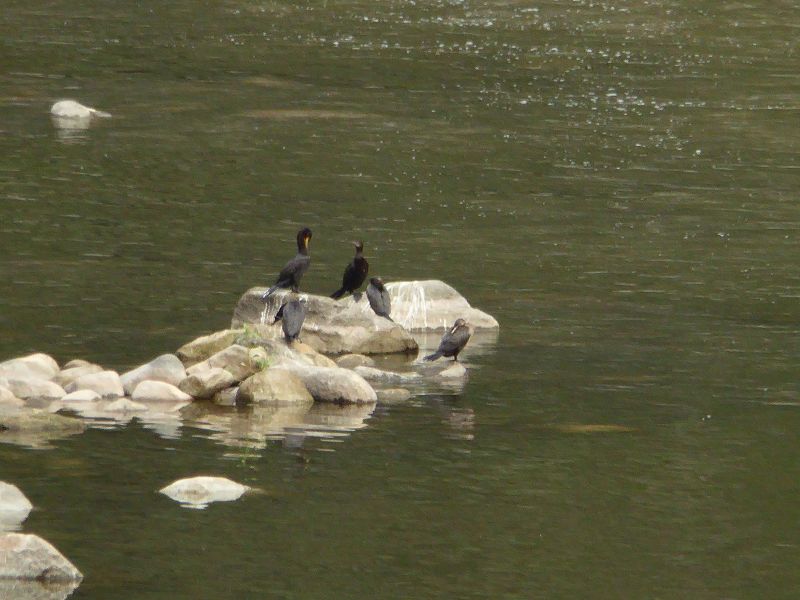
<point x="393" y="395"/>
<point x="351" y="361"/>
<point x="226" y="397"/>
<point x="67" y="376"/>
<point x="198" y="492"/>
<point x="234" y="359"/>
<point x="7" y="398"/>
<point x="203" y="347"/>
<point x="36" y="590"/>
<point x="312" y="355"/>
<point x="14" y="506"/>
<point x="455" y="371"/>
<point x="206" y="383"/>
<point x="81" y="396"/>
<point x="105" y="383"/>
<point x="431" y="305"/>
<point x="274" y="386"/>
<point x="123" y="405"/>
<point x="159" y="391"/>
<point x="35" y="388"/>
<point x="76" y="362"/>
<point x="167" y="368"/>
<point x="27" y="556"/>
<point x="70" y="109"/>
<point x="32" y="427"/>
<point x="379" y="376"/>
<point x="327" y="384"/>
<point x="330" y="326"/>
<point x="33" y="366"/>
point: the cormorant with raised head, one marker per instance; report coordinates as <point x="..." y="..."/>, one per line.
<point x="291" y="314"/>
<point x="354" y="274"/>
<point x="453" y="341"/>
<point x="293" y="271"/>
<point x="378" y="297"/>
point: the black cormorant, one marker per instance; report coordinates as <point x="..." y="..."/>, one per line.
<point x="378" y="297"/>
<point x="291" y="314"/>
<point x="293" y="271"/>
<point x="354" y="274"/>
<point x="453" y="341"/>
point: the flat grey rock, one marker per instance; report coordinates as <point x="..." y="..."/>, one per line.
<point x="29" y="557"/>
<point x="200" y="491"/>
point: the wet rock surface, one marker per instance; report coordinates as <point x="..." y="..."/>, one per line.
<point x="29" y="557"/>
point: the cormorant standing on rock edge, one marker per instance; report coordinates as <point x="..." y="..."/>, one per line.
<point x="291" y="314"/>
<point x="293" y="271"/>
<point x="354" y="274"/>
<point x="378" y="297"/>
<point x="453" y="341"/>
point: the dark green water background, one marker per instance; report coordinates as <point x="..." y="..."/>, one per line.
<point x="616" y="182"/>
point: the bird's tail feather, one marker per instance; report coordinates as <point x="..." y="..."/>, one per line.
<point x="268" y="293"/>
<point x="433" y="356"/>
<point x="338" y="293"/>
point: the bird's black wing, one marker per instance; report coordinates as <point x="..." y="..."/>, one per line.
<point x="453" y="341"/>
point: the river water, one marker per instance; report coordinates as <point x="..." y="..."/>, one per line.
<point x="616" y="182"/>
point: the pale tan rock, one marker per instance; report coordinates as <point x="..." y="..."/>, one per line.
<point x="67" y="376"/>
<point x="205" y="383"/>
<point x="327" y="384"/>
<point x="28" y="389"/>
<point x="105" y="383"/>
<point x="29" y="557"/>
<point x="234" y="359"/>
<point x="203" y="347"/>
<point x="158" y="391"/>
<point x="351" y="361"/>
<point x="274" y="386"/>
<point x="33" y="366"/>
<point x="167" y="368"/>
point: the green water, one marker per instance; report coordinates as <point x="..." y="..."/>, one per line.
<point x="616" y="182"/>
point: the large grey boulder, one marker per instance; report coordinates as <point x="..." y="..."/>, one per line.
<point x="105" y="383"/>
<point x="351" y="361"/>
<point x="14" y="506"/>
<point x="430" y="305"/>
<point x="327" y="384"/>
<point x="27" y="556"/>
<point x="198" y="492"/>
<point x="205" y="346"/>
<point x="274" y="386"/>
<point x="167" y="368"/>
<point x="29" y="389"/>
<point x="234" y="359"/>
<point x="374" y="375"/>
<point x="67" y="376"/>
<point x="159" y="391"/>
<point x="33" y="366"/>
<point x="330" y="326"/>
<point x="207" y="382"/>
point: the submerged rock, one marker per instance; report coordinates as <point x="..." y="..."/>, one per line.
<point x="201" y="491"/>
<point x="34" y="366"/>
<point x="206" y="383"/>
<point x="431" y="305"/>
<point x="205" y="346"/>
<point x="159" y="391"/>
<point x="274" y="386"/>
<point x="330" y="326"/>
<point x="393" y="395"/>
<point x="27" y="556"/>
<point x="380" y="376"/>
<point x="167" y="368"/>
<point x="105" y="383"/>
<point x="14" y="506"/>
<point x="34" y="428"/>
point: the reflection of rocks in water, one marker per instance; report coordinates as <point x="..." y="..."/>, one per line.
<point x="461" y="423"/>
<point x="36" y="590"/>
<point x="72" y="131"/>
<point x="292" y="424"/>
<point x="163" y="418"/>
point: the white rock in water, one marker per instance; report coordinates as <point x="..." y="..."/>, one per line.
<point x="7" y="398"/>
<point x="35" y="388"/>
<point x="33" y="366"/>
<point x="328" y="384"/>
<point x="14" y="506"/>
<point x="81" y="396"/>
<point x="431" y="305"/>
<point x="26" y="556"/>
<point x="167" y="368"/>
<point x="69" y="109"/>
<point x="200" y="491"/>
<point x="123" y="405"/>
<point x="105" y="383"/>
<point x="159" y="391"/>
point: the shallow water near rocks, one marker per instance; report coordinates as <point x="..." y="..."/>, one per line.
<point x="615" y="182"/>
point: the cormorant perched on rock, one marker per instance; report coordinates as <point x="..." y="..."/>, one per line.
<point x="453" y="341"/>
<point x="291" y="314"/>
<point x="293" y="271"/>
<point x="378" y="297"/>
<point x="354" y="274"/>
